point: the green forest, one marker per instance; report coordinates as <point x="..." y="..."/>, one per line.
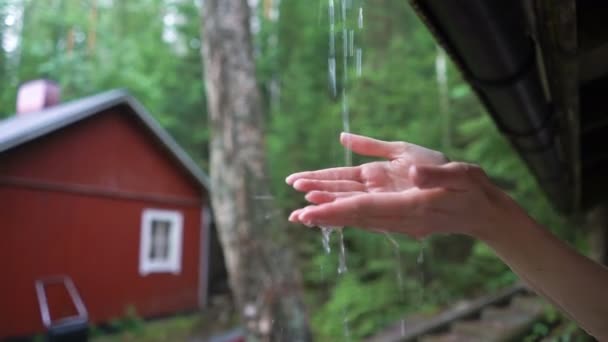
<point x="152" y="48"/>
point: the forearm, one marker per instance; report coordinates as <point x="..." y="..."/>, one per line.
<point x="570" y="280"/>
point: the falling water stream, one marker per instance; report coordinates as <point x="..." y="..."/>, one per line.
<point x="399" y="274"/>
<point x="420" y="262"/>
<point x="350" y="49"/>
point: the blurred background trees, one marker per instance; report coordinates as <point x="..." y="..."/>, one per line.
<point x="152" y="48"/>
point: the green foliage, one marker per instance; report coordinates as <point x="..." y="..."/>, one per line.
<point x="396" y="98"/>
<point x="179" y="328"/>
<point x="361" y="306"/>
<point x="126" y="46"/>
<point x="130" y="322"/>
<point x="554" y="326"/>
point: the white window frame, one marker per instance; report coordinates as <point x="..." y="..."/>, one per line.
<point x="173" y="263"/>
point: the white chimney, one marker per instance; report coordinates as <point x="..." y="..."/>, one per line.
<point x="36" y="95"/>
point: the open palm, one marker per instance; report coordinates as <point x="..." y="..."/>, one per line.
<point x="390" y="175"/>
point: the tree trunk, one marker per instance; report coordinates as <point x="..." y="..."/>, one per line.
<point x="262" y="272"/>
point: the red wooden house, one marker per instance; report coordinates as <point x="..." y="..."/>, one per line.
<point x="96" y="191"/>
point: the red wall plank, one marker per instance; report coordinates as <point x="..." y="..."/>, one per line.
<point x="111" y="150"/>
<point x="93" y="239"/>
<point x="96" y="242"/>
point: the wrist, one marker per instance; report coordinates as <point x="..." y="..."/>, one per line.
<point x="503" y="216"/>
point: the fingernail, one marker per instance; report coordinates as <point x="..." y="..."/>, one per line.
<point x="292" y="217"/>
<point x="298" y="184"/>
<point x="288" y="180"/>
<point x="305" y="219"/>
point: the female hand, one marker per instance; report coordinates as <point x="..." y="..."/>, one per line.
<point x="420" y="199"/>
<point x="412" y="193"/>
<point x="452" y="198"/>
<point x="381" y="176"/>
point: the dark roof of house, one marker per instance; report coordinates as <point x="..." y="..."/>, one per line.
<point x="541" y="70"/>
<point x="20" y="129"/>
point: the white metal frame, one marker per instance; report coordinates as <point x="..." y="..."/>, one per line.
<point x="43" y="304"/>
<point x="173" y="263"/>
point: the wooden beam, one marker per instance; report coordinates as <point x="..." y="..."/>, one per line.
<point x="557" y="36"/>
<point x="442" y="321"/>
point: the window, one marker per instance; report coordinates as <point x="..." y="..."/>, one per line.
<point x="161" y="242"/>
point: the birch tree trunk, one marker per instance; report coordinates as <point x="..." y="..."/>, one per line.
<point x="262" y="273"/>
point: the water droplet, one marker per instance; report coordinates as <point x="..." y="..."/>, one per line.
<point x="358" y="61"/>
<point x="360" y="19"/>
<point x="326" y="237"/>
<point x="332" y="14"/>
<point x="332" y="42"/>
<point x="332" y="30"/>
<point x="332" y="76"/>
<point x="346" y="325"/>
<point x="351" y="43"/>
<point x="420" y="261"/>
<point x="342" y="259"/>
<point x="399" y="274"/>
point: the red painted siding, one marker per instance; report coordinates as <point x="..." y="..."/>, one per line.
<point x="94" y="239"/>
<point x="111" y="150"/>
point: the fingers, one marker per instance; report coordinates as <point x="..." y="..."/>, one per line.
<point x="372" y="147"/>
<point x="379" y="211"/>
<point x="306" y="185"/>
<point x="338" y="173"/>
<point x="454" y="176"/>
<point x="320" y="197"/>
<point x="295" y="215"/>
<point x="402" y="212"/>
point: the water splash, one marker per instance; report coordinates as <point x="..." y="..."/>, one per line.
<point x="326" y="237"/>
<point x="351" y="43"/>
<point x="332" y="49"/>
<point x="345" y="110"/>
<point x="332" y="76"/>
<point x="399" y="273"/>
<point x="420" y="262"/>
<point x="441" y="70"/>
<point x="358" y="61"/>
<point x="326" y="232"/>
<point x="346" y="326"/>
<point x="342" y="259"/>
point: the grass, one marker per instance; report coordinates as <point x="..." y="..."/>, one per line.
<point x="187" y="327"/>
<point x="179" y="328"/>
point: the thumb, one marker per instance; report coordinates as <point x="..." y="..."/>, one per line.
<point x="370" y="147"/>
<point x="455" y="176"/>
